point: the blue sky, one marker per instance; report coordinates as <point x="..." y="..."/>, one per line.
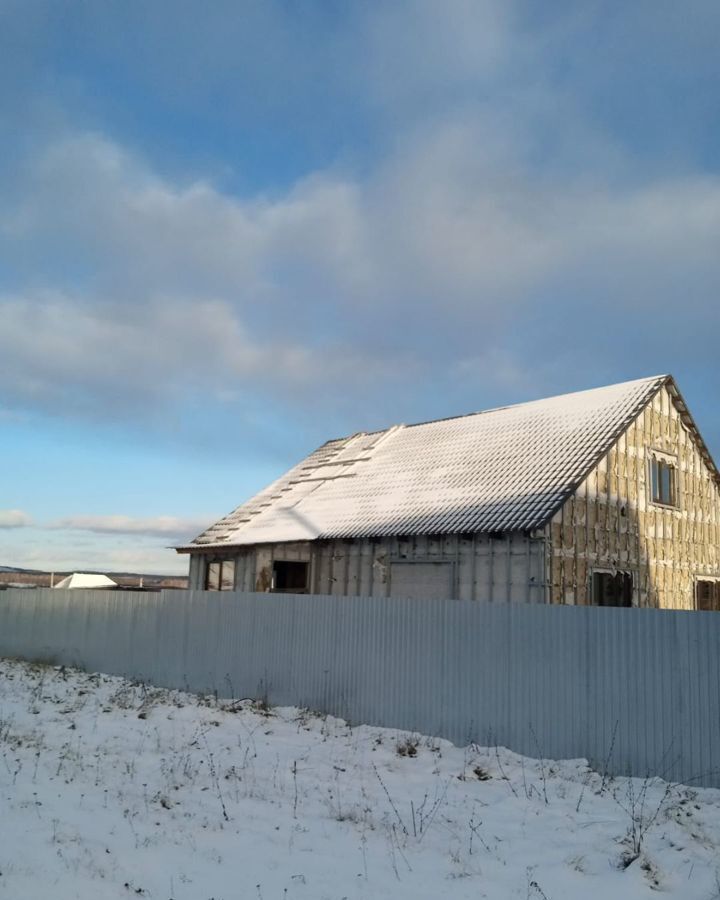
<point x="230" y="231"/>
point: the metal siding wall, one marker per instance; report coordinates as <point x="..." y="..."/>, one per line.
<point x="194" y="572"/>
<point x="636" y="690"/>
<point x="361" y="567"/>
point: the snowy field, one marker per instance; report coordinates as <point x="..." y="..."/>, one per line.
<point x="113" y="790"/>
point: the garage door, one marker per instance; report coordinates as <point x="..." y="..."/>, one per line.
<point x="421" y="579"/>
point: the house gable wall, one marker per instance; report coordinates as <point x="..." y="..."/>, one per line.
<point x="610" y="522"/>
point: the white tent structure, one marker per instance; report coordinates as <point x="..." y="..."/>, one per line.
<point x="86" y="580"/>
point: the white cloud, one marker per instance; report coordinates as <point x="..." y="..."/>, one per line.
<point x="14" y="518"/>
<point x="169" y="527"/>
<point x="73" y="352"/>
<point x="144" y="293"/>
<point x="412" y="52"/>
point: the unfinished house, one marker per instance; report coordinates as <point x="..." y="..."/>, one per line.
<point x="606" y="497"/>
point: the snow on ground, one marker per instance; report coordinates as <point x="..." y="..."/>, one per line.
<point x="113" y="790"/>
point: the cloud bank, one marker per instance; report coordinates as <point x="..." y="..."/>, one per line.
<point x="14" y="518"/>
<point x="169" y="527"/>
<point x="424" y="266"/>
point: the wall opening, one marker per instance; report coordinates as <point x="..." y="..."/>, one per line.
<point x="290" y="577"/>
<point x="612" y="588"/>
<point x="707" y="595"/>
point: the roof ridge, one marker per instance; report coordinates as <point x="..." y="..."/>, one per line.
<point x="492" y="409"/>
<point x="659" y="379"/>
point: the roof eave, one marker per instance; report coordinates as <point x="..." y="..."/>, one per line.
<point x="689" y="423"/>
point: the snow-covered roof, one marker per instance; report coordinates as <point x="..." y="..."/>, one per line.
<point x="86" y="580"/>
<point x="506" y="469"/>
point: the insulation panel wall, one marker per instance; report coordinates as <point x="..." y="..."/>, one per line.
<point x="612" y="524"/>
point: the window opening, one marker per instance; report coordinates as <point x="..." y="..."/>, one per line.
<point x="663" y="479"/>
<point x="707" y="595"/>
<point x="612" y="589"/>
<point x="220" y="575"/>
<point x="290" y="577"/>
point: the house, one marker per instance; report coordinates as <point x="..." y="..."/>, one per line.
<point x="86" y="581"/>
<point x="607" y="496"/>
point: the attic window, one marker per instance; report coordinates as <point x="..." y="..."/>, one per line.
<point x="220" y="575"/>
<point x="707" y="595"/>
<point x="663" y="481"/>
<point x="289" y="577"/>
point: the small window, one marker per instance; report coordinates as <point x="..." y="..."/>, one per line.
<point x="220" y="575"/>
<point x="663" y="482"/>
<point x="707" y="595"/>
<point x="290" y="577"/>
<point x="610" y="589"/>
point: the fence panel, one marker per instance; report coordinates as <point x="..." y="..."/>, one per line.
<point x="635" y="691"/>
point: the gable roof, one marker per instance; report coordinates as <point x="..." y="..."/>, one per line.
<point x="505" y="469"/>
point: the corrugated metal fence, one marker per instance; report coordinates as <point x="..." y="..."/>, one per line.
<point x="635" y="691"/>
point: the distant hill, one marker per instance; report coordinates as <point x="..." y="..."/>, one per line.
<point x="128" y="580"/>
